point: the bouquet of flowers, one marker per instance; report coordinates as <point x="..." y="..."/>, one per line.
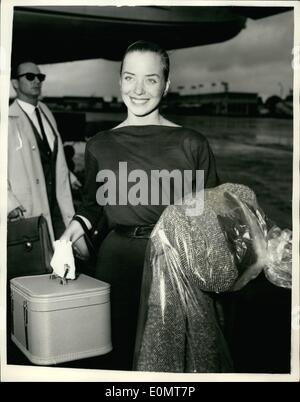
<point x="255" y="244"/>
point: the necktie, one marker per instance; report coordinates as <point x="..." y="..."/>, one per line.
<point x="38" y="115"/>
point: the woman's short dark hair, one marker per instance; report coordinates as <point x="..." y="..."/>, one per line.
<point x="145" y="46"/>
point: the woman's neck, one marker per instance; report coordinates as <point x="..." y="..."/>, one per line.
<point x="151" y="119"/>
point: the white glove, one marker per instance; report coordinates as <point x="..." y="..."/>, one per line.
<point x="63" y="260"/>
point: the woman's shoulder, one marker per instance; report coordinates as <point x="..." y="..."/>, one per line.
<point x="192" y="134"/>
<point x="101" y="135"/>
<point x="168" y="123"/>
<point x="97" y="139"/>
<point x="185" y="131"/>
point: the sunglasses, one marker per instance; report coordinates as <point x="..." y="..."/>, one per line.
<point x="31" y="76"/>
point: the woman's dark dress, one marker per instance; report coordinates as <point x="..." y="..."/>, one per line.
<point x="120" y="260"/>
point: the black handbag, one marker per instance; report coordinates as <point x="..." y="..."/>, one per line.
<point x="29" y="247"/>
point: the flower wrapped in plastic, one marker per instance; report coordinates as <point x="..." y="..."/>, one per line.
<point x="278" y="268"/>
<point x="192" y="258"/>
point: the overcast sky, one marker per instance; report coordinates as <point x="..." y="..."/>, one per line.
<point x="257" y="60"/>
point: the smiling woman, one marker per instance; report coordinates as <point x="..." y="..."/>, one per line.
<point x="145" y="142"/>
<point x="144" y="81"/>
<point x="142" y="85"/>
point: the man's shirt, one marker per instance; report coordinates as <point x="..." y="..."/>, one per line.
<point x="30" y="110"/>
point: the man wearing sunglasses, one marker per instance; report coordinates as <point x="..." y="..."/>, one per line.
<point x="38" y="176"/>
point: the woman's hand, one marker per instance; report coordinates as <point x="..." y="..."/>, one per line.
<point x="73" y="232"/>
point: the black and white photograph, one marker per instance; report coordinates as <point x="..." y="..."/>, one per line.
<point x="149" y="181"/>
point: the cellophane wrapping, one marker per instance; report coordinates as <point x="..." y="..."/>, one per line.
<point x="190" y="260"/>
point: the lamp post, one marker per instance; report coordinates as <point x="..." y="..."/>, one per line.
<point x="225" y="86"/>
<point x="225" y="103"/>
<point x="200" y="86"/>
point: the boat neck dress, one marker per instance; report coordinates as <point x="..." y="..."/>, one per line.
<point x="120" y="259"/>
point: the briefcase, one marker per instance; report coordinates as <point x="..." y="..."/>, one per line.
<point x="54" y="322"/>
<point x="29" y="247"/>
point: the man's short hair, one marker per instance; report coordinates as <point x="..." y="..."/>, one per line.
<point x="15" y="67"/>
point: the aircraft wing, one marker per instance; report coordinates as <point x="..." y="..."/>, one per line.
<point x="65" y="33"/>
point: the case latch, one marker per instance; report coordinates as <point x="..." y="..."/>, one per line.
<point x="63" y="280"/>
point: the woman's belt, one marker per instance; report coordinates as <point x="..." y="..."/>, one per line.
<point x="139" y="232"/>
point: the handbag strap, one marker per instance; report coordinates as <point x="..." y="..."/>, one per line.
<point x="87" y="233"/>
